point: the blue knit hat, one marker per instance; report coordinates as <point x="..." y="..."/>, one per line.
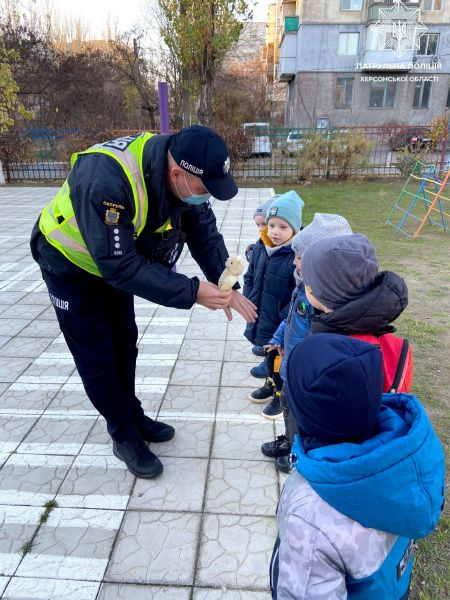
<point x="334" y="385"/>
<point x="288" y="207"/>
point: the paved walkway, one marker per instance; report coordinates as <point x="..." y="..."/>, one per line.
<point x="204" y="530"/>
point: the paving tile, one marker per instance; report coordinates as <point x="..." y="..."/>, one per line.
<point x="13" y="429"/>
<point x="192" y="439"/>
<point x="46" y="371"/>
<point x="196" y="373"/>
<point x="58" y="435"/>
<point x="71" y="542"/>
<point x="114" y="591"/>
<point x="24" y="311"/>
<point x="200" y="331"/>
<point x="214" y="594"/>
<point x="155" y="547"/>
<point x="180" y="487"/>
<point x="12" y="368"/>
<point x="240" y="440"/>
<point x="234" y="403"/>
<point x="32" y="480"/>
<point x="30" y="588"/>
<point x="98" y="442"/>
<point x="236" y="551"/>
<point x="240" y="372"/>
<point x="3" y="583"/>
<point x="18" y="526"/>
<point x="242" y="487"/>
<point x="21" y="400"/>
<point x="11" y="327"/>
<point x="73" y="403"/>
<point x="4" y="339"/>
<point x="240" y="351"/>
<point x="41" y="329"/>
<point x="101" y="482"/>
<point x="188" y="399"/>
<point x="204" y="315"/>
<point x="25" y="347"/>
<point x="198" y="350"/>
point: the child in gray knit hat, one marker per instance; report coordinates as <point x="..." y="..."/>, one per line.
<point x="295" y="327"/>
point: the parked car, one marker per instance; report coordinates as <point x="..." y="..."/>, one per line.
<point x="261" y="138"/>
<point x="413" y="141"/>
<point x="295" y="142"/>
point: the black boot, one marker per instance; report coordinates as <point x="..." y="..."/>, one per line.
<point x="283" y="464"/>
<point x="276" y="448"/>
<point x="155" y="431"/>
<point x="138" y="458"/>
<point x="263" y="393"/>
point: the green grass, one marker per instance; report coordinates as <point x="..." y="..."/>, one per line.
<point x="424" y="263"/>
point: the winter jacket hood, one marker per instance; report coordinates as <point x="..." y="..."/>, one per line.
<point x="393" y="482"/>
<point x="371" y="313"/>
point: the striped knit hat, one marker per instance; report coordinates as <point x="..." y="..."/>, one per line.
<point x="322" y="226"/>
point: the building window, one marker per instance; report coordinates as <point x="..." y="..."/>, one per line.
<point x="348" y="44"/>
<point x="344" y="92"/>
<point x="428" y="44"/>
<point x="351" y="4"/>
<point x="382" y="95"/>
<point x="422" y="94"/>
<point x="432" y="4"/>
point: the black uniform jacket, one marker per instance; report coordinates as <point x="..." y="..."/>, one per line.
<point x="104" y="208"/>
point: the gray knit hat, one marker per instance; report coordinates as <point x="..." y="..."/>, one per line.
<point x="261" y="211"/>
<point x="339" y="269"/>
<point x="322" y="226"/>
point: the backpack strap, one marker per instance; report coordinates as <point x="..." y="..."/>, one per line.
<point x="400" y="367"/>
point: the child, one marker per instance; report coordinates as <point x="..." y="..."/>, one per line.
<point x="368" y="478"/>
<point x="296" y="326"/>
<point x="342" y="280"/>
<point x="269" y="280"/>
<point x="259" y="217"/>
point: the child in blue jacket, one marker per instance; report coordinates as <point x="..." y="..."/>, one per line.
<point x="269" y="280"/>
<point x="368" y="478"/>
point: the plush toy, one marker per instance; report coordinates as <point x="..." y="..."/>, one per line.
<point x="234" y="266"/>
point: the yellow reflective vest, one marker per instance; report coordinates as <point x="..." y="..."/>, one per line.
<point x="58" y="223"/>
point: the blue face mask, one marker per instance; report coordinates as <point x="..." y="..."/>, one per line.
<point x="193" y="199"/>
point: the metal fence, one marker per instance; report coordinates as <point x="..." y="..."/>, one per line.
<point x="264" y="153"/>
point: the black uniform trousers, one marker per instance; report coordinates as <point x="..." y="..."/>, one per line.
<point x="98" y="324"/>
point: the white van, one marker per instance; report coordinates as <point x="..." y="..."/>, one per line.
<point x="261" y="139"/>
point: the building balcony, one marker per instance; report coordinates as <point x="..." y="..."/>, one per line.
<point x="386" y="60"/>
<point x="403" y="12"/>
<point x="286" y="68"/>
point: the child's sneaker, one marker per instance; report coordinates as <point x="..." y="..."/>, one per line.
<point x="258" y="350"/>
<point x="273" y="410"/>
<point x="276" y="448"/>
<point x="263" y="393"/>
<point x="260" y="371"/>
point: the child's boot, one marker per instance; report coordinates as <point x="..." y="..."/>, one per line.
<point x="263" y="393"/>
<point x="279" y="447"/>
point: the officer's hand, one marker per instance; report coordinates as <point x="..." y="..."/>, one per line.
<point x="243" y="306"/>
<point x="210" y="296"/>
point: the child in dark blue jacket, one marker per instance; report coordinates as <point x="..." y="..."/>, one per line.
<point x="269" y="280"/>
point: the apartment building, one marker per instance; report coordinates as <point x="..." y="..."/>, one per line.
<point x="355" y="62"/>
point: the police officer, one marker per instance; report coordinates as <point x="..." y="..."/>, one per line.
<point x="114" y="230"/>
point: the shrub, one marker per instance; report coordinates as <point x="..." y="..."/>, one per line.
<point x="348" y="151"/>
<point x="406" y="160"/>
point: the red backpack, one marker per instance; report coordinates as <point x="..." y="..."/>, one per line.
<point x="397" y="361"/>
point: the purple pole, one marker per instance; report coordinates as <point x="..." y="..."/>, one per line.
<point x="163" y="96"/>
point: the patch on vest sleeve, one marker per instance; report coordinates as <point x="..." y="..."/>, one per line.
<point x="112" y="216"/>
<point x="116" y="240"/>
